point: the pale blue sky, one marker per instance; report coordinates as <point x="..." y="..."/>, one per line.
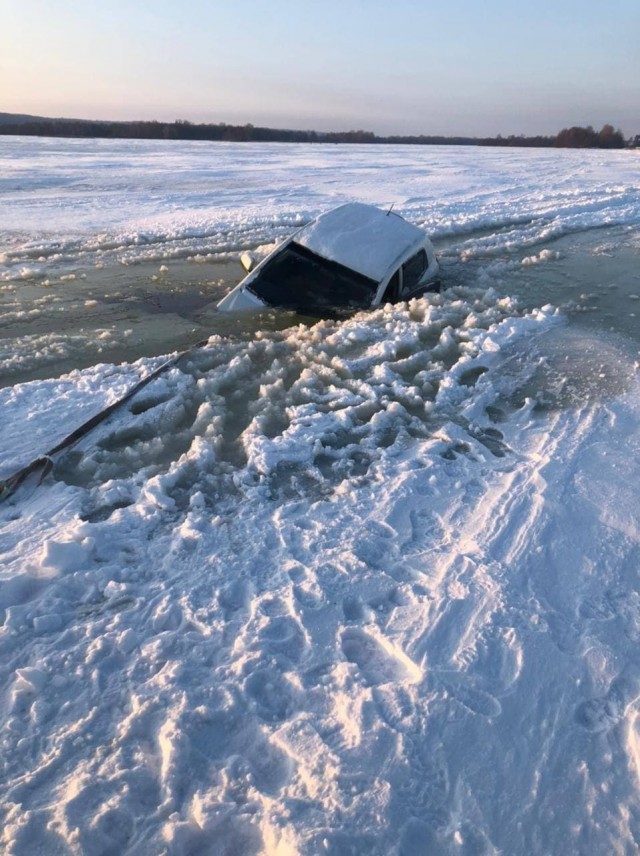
<point x="390" y="66"/>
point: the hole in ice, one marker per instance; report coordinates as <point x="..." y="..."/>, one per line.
<point x="104" y="512"/>
<point x="492" y="440"/>
<point x="456" y="449"/>
<point x="470" y="376"/>
<point x="496" y="414"/>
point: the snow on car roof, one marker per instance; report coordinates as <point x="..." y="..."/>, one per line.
<point x="361" y="237"/>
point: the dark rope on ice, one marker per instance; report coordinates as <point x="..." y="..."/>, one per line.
<point x="44" y="462"/>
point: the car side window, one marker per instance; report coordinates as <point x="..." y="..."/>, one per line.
<point x="391" y="291"/>
<point x="412" y="270"/>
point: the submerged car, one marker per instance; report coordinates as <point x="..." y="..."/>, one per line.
<point x="354" y="257"/>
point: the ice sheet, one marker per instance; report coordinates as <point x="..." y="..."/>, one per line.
<point x="73" y="203"/>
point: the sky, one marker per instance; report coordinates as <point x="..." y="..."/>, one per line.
<point x="467" y="67"/>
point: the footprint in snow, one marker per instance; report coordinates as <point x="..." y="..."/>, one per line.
<point x="395" y="706"/>
<point x="283" y="635"/>
<point x="598" y="714"/>
<point x="597" y="609"/>
<point x="274" y="695"/>
<point x="273" y="606"/>
<point x="424" y="789"/>
<point x="565" y="634"/>
<point x="271" y="768"/>
<point x="496" y="658"/>
<point x="308" y="596"/>
<point x="235" y="598"/>
<point x="354" y="609"/>
<point x="212" y="734"/>
<point x="378" y="659"/>
<point x="476" y="700"/>
<point x="373" y="551"/>
<point x="602" y="714"/>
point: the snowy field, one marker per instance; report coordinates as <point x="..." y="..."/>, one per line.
<point x="367" y="586"/>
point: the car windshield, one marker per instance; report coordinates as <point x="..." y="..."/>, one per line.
<point x="298" y="279"/>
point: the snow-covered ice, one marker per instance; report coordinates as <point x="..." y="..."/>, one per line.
<point x="367" y="586"/>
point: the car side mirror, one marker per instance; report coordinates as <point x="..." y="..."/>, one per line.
<point x="248" y="262"/>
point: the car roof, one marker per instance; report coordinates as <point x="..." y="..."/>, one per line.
<point x="361" y="237"/>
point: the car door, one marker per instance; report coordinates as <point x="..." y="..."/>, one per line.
<point x="392" y="291"/>
<point x="411" y="274"/>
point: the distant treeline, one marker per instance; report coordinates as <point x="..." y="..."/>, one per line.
<point x="181" y="129"/>
<point x="587" y="138"/>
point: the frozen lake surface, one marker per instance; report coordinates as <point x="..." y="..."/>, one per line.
<point x="366" y="586"/>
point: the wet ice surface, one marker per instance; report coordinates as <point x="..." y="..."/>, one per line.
<point x="357" y="586"/>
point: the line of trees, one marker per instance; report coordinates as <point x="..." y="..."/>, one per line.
<point x="181" y="129"/>
<point x="587" y="138"/>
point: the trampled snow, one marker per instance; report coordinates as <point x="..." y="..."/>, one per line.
<point x="352" y="586"/>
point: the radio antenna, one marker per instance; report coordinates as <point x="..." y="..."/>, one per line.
<point x="390" y="208"/>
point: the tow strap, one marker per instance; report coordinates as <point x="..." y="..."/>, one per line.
<point x="44" y="463"/>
